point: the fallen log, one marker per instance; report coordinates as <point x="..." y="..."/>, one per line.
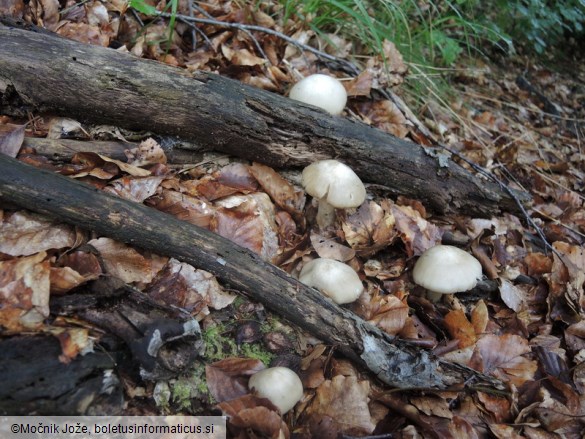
<point x="395" y="362"/>
<point x="45" y="73"/>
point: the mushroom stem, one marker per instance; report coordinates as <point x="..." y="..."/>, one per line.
<point x="325" y="214"/>
<point x="434" y="296"/>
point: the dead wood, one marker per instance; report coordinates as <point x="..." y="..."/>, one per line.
<point x="391" y="360"/>
<point x="35" y="380"/>
<point x="64" y="149"/>
<point x="47" y="74"/>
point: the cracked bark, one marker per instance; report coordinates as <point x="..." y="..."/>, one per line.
<point x="44" y="73"/>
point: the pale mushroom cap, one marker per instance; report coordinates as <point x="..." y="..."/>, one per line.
<point x="335" y="183"/>
<point x="321" y="91"/>
<point x="280" y="385"/>
<point x="333" y="278"/>
<point x="446" y="269"/>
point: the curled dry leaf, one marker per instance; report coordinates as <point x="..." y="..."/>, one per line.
<point x="370" y="229"/>
<point x="134" y="189"/>
<point x="282" y="193"/>
<point x="416" y="233"/>
<point x="23" y="233"/>
<point x="135" y="171"/>
<point x="228" y="378"/>
<point x="122" y="261"/>
<point x="345" y="401"/>
<point x="504" y="357"/>
<point x="64" y="279"/>
<point x="24" y="292"/>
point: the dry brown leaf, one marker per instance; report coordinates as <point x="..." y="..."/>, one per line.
<point x="64" y="279"/>
<point x="184" y="207"/>
<point x="345" y="401"/>
<point x="416" y="233"/>
<point x="86" y="264"/>
<point x="369" y="229"/>
<point x="228" y="378"/>
<point x="148" y="152"/>
<point x="135" y="171"/>
<point x="180" y="284"/>
<point x="122" y="261"/>
<point x="23" y="233"/>
<point x="513" y="296"/>
<point x="361" y="85"/>
<point x="480" y="317"/>
<point x="24" y="292"/>
<point x="460" y="328"/>
<point x="282" y="193"/>
<point x="388" y="312"/>
<point x="253" y="417"/>
<point x="498" y="407"/>
<point x="238" y="176"/>
<point x="249" y="221"/>
<point x="385" y="115"/>
<point x="330" y="249"/>
<point x="74" y="341"/>
<point x="134" y="189"/>
<point x="241" y="57"/>
<point x="84" y="33"/>
<point x="11" y="137"/>
<point x="504" y="357"/>
<point x="432" y="406"/>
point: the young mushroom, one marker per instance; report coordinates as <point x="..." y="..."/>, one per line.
<point x="321" y="91"/>
<point x="280" y="385"/>
<point x="335" y="279"/>
<point x="334" y="185"/>
<point x="444" y="269"/>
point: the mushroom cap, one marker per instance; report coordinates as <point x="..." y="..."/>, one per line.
<point x="446" y="269"/>
<point x="322" y="91"/>
<point x="280" y="385"/>
<point x="333" y="278"/>
<point x="334" y="182"/>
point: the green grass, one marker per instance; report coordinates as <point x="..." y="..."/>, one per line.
<point x="427" y="34"/>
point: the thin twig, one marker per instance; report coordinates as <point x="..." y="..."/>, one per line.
<point x="252" y="27"/>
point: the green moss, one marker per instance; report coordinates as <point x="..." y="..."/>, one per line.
<point x="256" y="351"/>
<point x="218" y="346"/>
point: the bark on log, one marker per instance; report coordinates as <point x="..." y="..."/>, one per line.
<point x="394" y="362"/>
<point x="64" y="149"/>
<point x="48" y="74"/>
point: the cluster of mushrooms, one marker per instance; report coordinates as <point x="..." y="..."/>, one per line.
<point x="442" y="269"/>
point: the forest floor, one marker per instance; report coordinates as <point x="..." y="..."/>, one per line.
<point x="518" y="119"/>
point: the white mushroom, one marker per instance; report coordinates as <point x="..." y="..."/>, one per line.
<point x="280" y="385"/>
<point x="444" y="269"/>
<point x="321" y="91"/>
<point x="333" y="278"/>
<point x="334" y="185"/>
